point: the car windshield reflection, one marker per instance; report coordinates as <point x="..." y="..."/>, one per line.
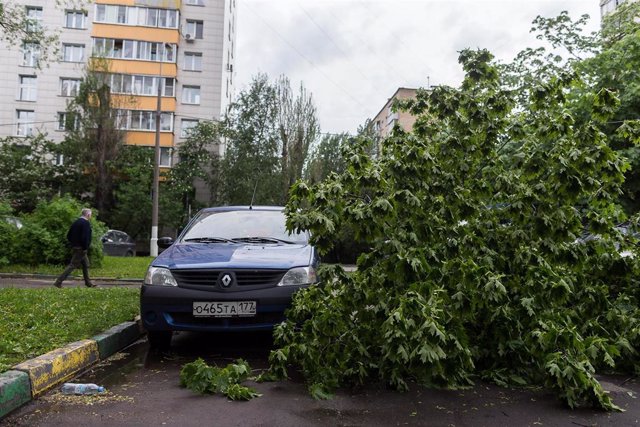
<point x="250" y="226"/>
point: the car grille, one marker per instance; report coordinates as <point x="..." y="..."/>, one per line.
<point x="243" y="277"/>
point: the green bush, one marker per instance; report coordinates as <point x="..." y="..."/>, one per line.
<point x="43" y="237"/>
<point x="8" y="232"/>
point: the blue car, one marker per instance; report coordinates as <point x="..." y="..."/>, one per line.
<point x="232" y="268"/>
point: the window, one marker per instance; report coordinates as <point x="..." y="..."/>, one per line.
<point x="186" y="127"/>
<point x="141" y="85"/>
<point x="30" y="54"/>
<point x="195" y="28"/>
<point x="191" y="94"/>
<point x="73" y="52"/>
<point x="25" y="122"/>
<point x="392" y="118"/>
<point x="34" y="19"/>
<point x="165" y="156"/>
<point x="69" y="87"/>
<point x="192" y="61"/>
<point x="172" y="19"/>
<point x="75" y="19"/>
<point x="152" y="17"/>
<point x="133" y="49"/>
<point x="133" y="15"/>
<point x="166" y="121"/>
<point x="195" y="2"/>
<point x="101" y="13"/>
<point x="167" y="50"/>
<point x="28" y="89"/>
<point x="67" y="121"/>
<point x="169" y="85"/>
<point x="116" y="50"/>
<point x="144" y="120"/>
<point x="128" y="49"/>
<point x="122" y="14"/>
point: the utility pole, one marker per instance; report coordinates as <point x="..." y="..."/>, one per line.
<point x="153" y="250"/>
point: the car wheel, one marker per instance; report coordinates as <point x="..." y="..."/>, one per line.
<point x="159" y="339"/>
<point x="129" y="253"/>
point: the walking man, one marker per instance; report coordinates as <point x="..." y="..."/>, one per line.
<point x="79" y="236"/>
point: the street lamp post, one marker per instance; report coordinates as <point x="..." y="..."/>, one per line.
<point x="153" y="250"/>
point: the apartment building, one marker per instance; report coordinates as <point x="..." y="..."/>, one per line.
<point x="608" y="6"/>
<point x="187" y="47"/>
<point x="386" y="119"/>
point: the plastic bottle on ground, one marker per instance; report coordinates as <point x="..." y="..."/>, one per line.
<point x="73" y="388"/>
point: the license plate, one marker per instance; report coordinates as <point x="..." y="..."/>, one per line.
<point x="225" y="309"/>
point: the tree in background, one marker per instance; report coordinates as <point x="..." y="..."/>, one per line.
<point x="617" y="68"/>
<point x="94" y="138"/>
<point x="252" y="159"/>
<point x="197" y="160"/>
<point x="132" y="191"/>
<point x="28" y="174"/>
<point x="609" y="60"/>
<point x="326" y="157"/>
<point x="298" y="128"/>
<point x="268" y="133"/>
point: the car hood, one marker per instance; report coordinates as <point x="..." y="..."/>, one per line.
<point x="232" y="255"/>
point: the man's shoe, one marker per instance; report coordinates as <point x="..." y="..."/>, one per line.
<point x="57" y="285"/>
<point x="91" y="285"/>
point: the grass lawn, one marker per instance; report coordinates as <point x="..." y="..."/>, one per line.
<point x="112" y="267"/>
<point x="35" y="321"/>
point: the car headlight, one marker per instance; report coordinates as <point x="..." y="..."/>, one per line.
<point x="159" y="277"/>
<point x="299" y="276"/>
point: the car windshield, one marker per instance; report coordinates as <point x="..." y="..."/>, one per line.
<point x="249" y="226"/>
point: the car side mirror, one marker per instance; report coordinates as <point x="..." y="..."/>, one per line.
<point x="165" y="242"/>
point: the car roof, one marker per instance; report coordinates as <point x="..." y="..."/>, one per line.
<point x="243" y="208"/>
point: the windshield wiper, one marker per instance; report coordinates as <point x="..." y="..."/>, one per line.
<point x="208" y="240"/>
<point x="260" y="239"/>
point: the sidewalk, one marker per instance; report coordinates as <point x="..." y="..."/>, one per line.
<point x="17" y="280"/>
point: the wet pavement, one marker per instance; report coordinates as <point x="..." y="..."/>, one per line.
<point x="143" y="390"/>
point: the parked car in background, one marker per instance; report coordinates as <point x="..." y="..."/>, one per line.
<point x="231" y="269"/>
<point x="118" y="243"/>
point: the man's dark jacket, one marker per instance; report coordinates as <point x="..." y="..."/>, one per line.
<point x="79" y="235"/>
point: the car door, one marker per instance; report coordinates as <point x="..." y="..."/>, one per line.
<point x="121" y="243"/>
<point x="109" y="244"/>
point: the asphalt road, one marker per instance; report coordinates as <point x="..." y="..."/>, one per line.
<point x="143" y="390"/>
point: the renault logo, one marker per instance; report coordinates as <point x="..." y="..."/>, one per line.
<point x="226" y="280"/>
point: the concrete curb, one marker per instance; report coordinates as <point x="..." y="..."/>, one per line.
<point x="15" y="391"/>
<point x="32" y="378"/>
<point x="58" y="365"/>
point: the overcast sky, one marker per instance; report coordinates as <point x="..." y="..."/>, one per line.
<point x="352" y="55"/>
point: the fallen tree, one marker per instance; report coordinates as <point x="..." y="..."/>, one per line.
<point x="476" y="268"/>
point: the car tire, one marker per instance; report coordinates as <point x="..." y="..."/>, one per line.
<point x="128" y="254"/>
<point x="159" y="339"/>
